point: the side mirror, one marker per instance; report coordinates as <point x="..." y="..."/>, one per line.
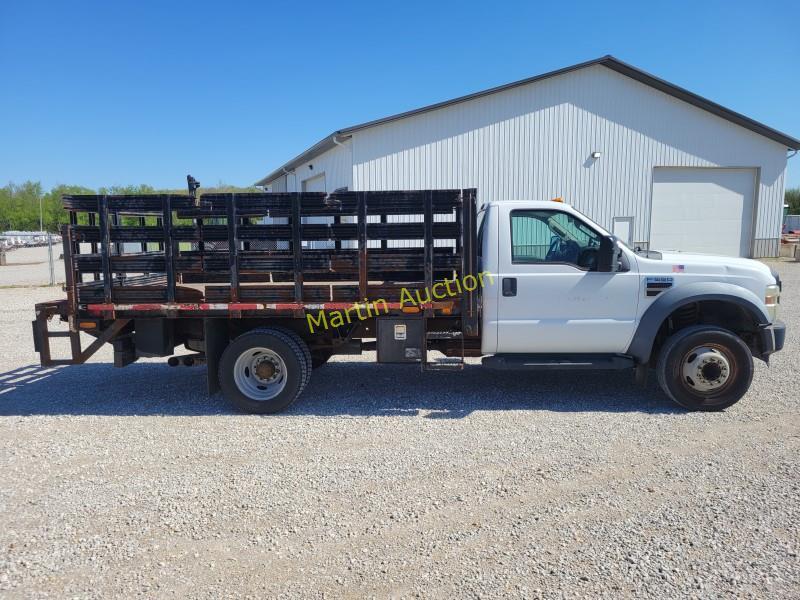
<point x="608" y="254"/>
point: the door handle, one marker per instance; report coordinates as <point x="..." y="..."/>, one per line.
<point x="509" y="286"/>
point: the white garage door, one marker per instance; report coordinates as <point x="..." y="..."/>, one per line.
<point x="702" y="210"/>
<point x="316" y="184"/>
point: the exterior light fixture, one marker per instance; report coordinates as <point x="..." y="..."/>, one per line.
<point x="597" y="154"/>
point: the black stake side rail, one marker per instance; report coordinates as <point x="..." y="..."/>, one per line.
<point x="241" y="264"/>
<point x="469" y="257"/>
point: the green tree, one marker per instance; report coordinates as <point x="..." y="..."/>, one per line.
<point x="55" y="215"/>
<point x="122" y="190"/>
<point x="19" y="203"/>
<point x="792" y="198"/>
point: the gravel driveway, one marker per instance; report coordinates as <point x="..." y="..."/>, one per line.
<point x="31" y="266"/>
<point x="382" y="481"/>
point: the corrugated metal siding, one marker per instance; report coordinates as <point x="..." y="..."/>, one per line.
<point x="336" y="164"/>
<point x="279" y="184"/>
<point x="337" y="167"/>
<point x="535" y="142"/>
<point x="766" y="247"/>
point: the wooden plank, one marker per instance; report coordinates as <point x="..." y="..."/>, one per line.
<point x="469" y="238"/>
<point x="428" y="241"/>
<point x="169" y="248"/>
<point x="297" y="249"/>
<point x="105" y="247"/>
<point x="70" y="272"/>
<point x="92" y="220"/>
<point x="363" y="276"/>
<point x="143" y="245"/>
<point x="233" y="247"/>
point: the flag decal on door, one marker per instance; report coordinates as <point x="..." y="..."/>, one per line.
<point x="655" y="285"/>
<point x="678" y="268"/>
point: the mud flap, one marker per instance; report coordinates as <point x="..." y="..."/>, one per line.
<point x="640" y="374"/>
<point x="215" y="332"/>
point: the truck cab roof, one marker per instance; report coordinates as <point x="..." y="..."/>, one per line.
<point x="529" y="203"/>
<point x="545" y="205"/>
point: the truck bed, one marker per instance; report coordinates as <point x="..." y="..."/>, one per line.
<point x="265" y="252"/>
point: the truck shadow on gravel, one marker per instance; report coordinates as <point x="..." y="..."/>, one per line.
<point x="339" y="388"/>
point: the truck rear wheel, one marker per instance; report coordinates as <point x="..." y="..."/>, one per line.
<point x="705" y="368"/>
<point x="263" y="371"/>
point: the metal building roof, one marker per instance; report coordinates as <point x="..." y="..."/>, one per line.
<point x="608" y="61"/>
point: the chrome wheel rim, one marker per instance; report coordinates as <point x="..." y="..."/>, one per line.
<point x="260" y="374"/>
<point x="707" y="370"/>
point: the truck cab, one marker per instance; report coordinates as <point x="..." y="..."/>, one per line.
<point x="570" y="295"/>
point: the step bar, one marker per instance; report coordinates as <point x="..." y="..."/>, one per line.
<point x="452" y="363"/>
<point x="558" y="362"/>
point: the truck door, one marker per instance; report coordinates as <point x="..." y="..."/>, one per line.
<point x="550" y="297"/>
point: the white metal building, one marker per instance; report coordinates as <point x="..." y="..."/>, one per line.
<point x="654" y="163"/>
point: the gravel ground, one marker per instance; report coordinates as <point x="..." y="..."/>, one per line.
<point x="382" y="481"/>
<point x="31" y="266"/>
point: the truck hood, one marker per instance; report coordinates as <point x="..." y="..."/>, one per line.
<point x="747" y="272"/>
<point x="688" y="258"/>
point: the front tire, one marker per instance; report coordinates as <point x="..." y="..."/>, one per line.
<point x="705" y="368"/>
<point x="263" y="371"/>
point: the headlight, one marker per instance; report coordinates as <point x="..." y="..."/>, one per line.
<point x="772" y="298"/>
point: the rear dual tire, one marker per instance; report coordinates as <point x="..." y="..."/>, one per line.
<point x="264" y="370"/>
<point x="705" y="368"/>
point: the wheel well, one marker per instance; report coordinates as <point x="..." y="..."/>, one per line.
<point x="327" y="339"/>
<point x="721" y="313"/>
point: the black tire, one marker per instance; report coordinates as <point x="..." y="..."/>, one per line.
<point x="319" y="358"/>
<point x="294" y="374"/>
<point x="705" y="368"/>
<point x="299" y="342"/>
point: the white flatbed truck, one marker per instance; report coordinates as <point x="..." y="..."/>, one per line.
<point x="265" y="287"/>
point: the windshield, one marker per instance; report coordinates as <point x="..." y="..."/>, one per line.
<point x="637" y="250"/>
<point x="570" y="228"/>
<point x="481" y="223"/>
<point x="592" y="223"/>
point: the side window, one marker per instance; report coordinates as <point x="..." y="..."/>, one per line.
<point x="551" y="236"/>
<point x="530" y="236"/>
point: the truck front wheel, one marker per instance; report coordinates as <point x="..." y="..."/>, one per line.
<point x="705" y="368"/>
<point x="263" y="371"/>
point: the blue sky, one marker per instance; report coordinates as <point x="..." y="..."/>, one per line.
<point x="104" y="93"/>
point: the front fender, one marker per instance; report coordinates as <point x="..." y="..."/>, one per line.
<point x="641" y="346"/>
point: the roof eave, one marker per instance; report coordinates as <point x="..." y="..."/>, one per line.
<point x="321" y="146"/>
<point x="700" y="102"/>
<point x="326" y="143"/>
<point x="608" y="61"/>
